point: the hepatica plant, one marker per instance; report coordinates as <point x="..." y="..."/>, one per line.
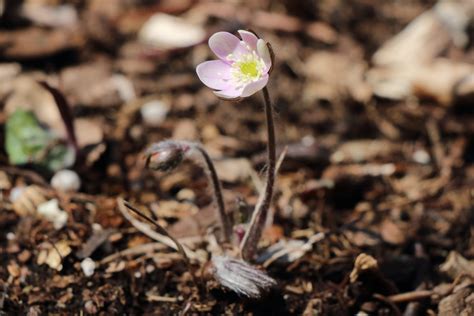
<point x="243" y="68"/>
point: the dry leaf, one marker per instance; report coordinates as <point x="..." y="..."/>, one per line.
<point x="53" y="255"/>
<point x="362" y="263"/>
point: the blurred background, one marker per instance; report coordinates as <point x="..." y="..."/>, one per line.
<point x="374" y="100"/>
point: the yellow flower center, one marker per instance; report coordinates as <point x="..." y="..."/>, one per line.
<point x="246" y="68"/>
<point x="249" y="68"/>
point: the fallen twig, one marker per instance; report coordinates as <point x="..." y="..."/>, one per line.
<point x="285" y="251"/>
<point x="410" y="296"/>
<point x="134" y="251"/>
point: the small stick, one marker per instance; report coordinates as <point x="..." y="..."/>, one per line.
<point x="289" y="250"/>
<point x="133" y="251"/>
<point x="384" y="126"/>
<point x="387" y="301"/>
<point x="435" y="138"/>
<point x="410" y="296"/>
<point x="187" y="307"/>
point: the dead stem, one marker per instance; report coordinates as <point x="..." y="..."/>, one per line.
<point x="65" y="111"/>
<point x="144" y="228"/>
<point x="163" y="231"/>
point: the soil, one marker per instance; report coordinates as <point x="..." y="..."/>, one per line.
<point x="373" y="206"/>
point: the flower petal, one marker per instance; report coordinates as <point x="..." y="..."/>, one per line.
<point x="223" y="44"/>
<point x="249" y="38"/>
<point x="264" y="53"/>
<point x="215" y="74"/>
<point x="230" y="93"/>
<point x="255" y="86"/>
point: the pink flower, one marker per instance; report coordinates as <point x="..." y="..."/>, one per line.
<point x="243" y="66"/>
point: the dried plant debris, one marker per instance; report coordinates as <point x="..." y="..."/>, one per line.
<point x="50" y="210"/>
<point x="241" y="277"/>
<point x="456" y="265"/>
<point x="410" y="64"/>
<point x="460" y="302"/>
<point x="27" y="199"/>
<point x="363" y="263"/>
<point x="36" y="42"/>
<point x="54" y="254"/>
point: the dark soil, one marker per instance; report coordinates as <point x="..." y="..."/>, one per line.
<point x="388" y="181"/>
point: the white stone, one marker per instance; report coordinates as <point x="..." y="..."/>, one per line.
<point x="96" y="227"/>
<point x="50" y="210"/>
<point x="154" y="112"/>
<point x="66" y="180"/>
<point x="88" y="267"/>
<point x="11" y="236"/>
<point x="15" y="193"/>
<point x="421" y="157"/>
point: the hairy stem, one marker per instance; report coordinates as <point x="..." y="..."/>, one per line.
<point x="259" y="216"/>
<point x="224" y="218"/>
<point x="167" y="155"/>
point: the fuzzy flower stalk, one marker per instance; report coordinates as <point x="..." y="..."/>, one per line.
<point x="242" y="69"/>
<point x="168" y="155"/>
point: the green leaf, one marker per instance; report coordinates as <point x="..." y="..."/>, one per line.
<point x="28" y="142"/>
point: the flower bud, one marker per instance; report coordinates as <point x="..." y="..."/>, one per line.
<point x="165" y="156"/>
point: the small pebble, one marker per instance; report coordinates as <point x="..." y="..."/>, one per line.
<point x="90" y="307"/>
<point x="154" y="113"/>
<point x="15" y="193"/>
<point x="88" y="267"/>
<point x="421" y="157"/>
<point x="149" y="268"/>
<point x="308" y="140"/>
<point x="96" y="227"/>
<point x="186" y="195"/>
<point x="24" y="256"/>
<point x="66" y="181"/>
<point x="136" y="132"/>
<point x="124" y="87"/>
